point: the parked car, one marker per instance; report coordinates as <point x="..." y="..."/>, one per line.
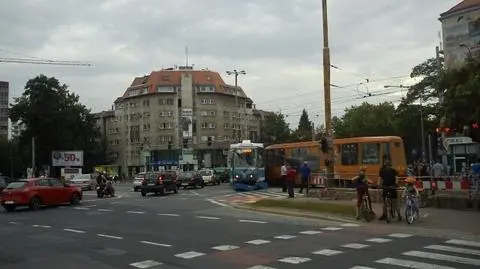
<point x="209" y="177"/>
<point x="37" y="192"/>
<point x="137" y="181"/>
<point x="159" y="182"/>
<point x="84" y="182"/>
<point x="191" y="179"/>
<point x="222" y="173"/>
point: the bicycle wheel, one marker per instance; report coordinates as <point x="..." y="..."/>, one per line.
<point x="365" y="210"/>
<point x="389" y="209"/>
<point x="409" y="214"/>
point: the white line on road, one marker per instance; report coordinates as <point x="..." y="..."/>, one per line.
<point x="145" y="264"/>
<point x="15" y="223"/>
<point x="169" y="215"/>
<point x="81" y="208"/>
<point x="104" y="210"/>
<point x="207" y="217"/>
<point x="135" y="212"/>
<point x="216" y="202"/>
<point x="155" y="244"/>
<point x="41" y="226"/>
<point x="74" y="231"/>
<point x="442" y="257"/>
<point x="196" y="193"/>
<point x="252" y="221"/>
<point x="109" y="236"/>
<point x="89" y="206"/>
<point x="411" y="264"/>
<point x="464" y="242"/>
<point x="454" y="249"/>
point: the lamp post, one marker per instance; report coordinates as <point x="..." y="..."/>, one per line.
<point x="422" y="127"/>
<point x="236" y="73"/>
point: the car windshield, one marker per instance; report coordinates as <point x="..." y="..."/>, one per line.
<point x="140" y="176"/>
<point x="16" y="185"/>
<point x="186" y="174"/>
<point x="205" y="173"/>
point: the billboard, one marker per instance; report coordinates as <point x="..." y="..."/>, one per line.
<point x="67" y="158"/>
<point x="187" y="122"/>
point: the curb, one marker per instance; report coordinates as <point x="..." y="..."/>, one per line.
<point x="296" y="214"/>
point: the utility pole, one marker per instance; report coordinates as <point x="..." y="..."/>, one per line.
<point x="236" y="73"/>
<point x="33" y="156"/>
<point x="326" y="97"/>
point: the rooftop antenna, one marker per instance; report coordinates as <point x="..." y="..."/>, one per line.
<point x="186" y="56"/>
<point x="440" y="39"/>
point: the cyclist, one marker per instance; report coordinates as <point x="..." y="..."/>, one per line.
<point x="388" y="181"/>
<point x="361" y="185"/>
<point x="412" y="190"/>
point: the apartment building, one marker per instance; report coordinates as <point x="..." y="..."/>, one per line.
<point x="178" y="117"/>
<point x="461" y="32"/>
<point x="4" y="95"/>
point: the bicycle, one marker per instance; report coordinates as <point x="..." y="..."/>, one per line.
<point x="366" y="211"/>
<point x="388" y="201"/>
<point x="411" y="212"/>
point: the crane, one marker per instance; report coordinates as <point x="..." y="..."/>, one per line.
<point x="41" y="61"/>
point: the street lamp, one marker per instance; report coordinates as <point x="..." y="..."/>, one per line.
<point x="236" y="73"/>
<point x="422" y="128"/>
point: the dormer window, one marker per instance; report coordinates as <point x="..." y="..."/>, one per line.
<point x="166" y="78"/>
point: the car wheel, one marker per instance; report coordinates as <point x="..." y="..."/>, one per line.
<point x="9" y="208"/>
<point x="35" y="203"/>
<point x="75" y="199"/>
<point x="184" y="187"/>
<point x="144" y="193"/>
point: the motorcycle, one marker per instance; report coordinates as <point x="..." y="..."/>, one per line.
<point x="105" y="189"/>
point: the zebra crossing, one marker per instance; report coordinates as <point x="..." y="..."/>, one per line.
<point x="252" y="196"/>
<point x="450" y="254"/>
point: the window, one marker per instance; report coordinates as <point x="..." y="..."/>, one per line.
<point x="211" y="125"/>
<point x="204" y="138"/>
<point x="169" y="101"/>
<point x="211" y="102"/>
<point x="55" y="182"/>
<point x="204" y="113"/>
<point x="170" y="113"/>
<point x="146" y="102"/>
<point x="204" y="125"/>
<point x="226" y="126"/>
<point x="146" y="127"/>
<point x="371" y="153"/>
<point x="146" y="115"/>
<point x="212" y="113"/>
<point x="165" y="89"/>
<point x="386" y="152"/>
<point x="161" y="114"/>
<point x="43" y="182"/>
<point x="350" y="154"/>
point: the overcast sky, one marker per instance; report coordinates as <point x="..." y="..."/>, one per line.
<point x="277" y="42"/>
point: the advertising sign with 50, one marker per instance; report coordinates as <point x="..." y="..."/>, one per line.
<point x="67" y="158"/>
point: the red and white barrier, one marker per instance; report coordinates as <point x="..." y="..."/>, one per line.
<point x="317" y="180"/>
<point x="448" y="185"/>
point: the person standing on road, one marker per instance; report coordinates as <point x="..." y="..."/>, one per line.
<point x="290" y="180"/>
<point x="388" y="181"/>
<point x="361" y="185"/>
<point x="283" y="177"/>
<point x="305" y="172"/>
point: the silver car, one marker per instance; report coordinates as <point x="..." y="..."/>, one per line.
<point x="85" y="182"/>
<point x="137" y="181"/>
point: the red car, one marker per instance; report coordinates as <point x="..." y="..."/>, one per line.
<point x="37" y="192"/>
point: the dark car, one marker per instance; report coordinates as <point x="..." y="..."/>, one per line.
<point x="159" y="182"/>
<point x="191" y="179"/>
<point x="223" y="174"/>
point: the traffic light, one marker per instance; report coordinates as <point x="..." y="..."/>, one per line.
<point x="209" y="141"/>
<point x="169" y="145"/>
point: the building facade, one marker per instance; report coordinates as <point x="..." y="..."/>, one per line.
<point x="181" y="117"/>
<point x="461" y="32"/>
<point x="4" y="97"/>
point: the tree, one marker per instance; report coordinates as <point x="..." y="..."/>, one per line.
<point x="56" y="119"/>
<point x="275" y="129"/>
<point x="304" y="129"/>
<point x="366" y="120"/>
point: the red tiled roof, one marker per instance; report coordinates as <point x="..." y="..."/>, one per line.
<point x="174" y="78"/>
<point x="465" y="4"/>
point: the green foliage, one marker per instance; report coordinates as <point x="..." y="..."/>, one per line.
<point x="275" y="129"/>
<point x="304" y="130"/>
<point x="57" y="120"/>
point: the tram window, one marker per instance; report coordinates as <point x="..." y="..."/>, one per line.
<point x="387" y="155"/>
<point x="371" y="153"/>
<point x="350" y="154"/>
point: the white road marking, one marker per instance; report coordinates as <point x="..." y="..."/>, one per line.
<point x="109" y="236"/>
<point x="258" y="242"/>
<point x="196" y="193"/>
<point x="252" y="221"/>
<point x="464" y="243"/>
<point x="145" y="264"/>
<point x="189" y="255"/>
<point x="442" y="257"/>
<point x="74" y="231"/>
<point x="115" y="203"/>
<point x="454" y="249"/>
<point x="104" y="210"/>
<point x="41" y="226"/>
<point x="135" y="212"/>
<point x="379" y="240"/>
<point x="89" y="206"/>
<point x="361" y="267"/>
<point x="207" y="217"/>
<point x="294" y="260"/>
<point x="350" y="225"/>
<point x="155" y="244"/>
<point x="285" y="237"/>
<point x="216" y="202"/>
<point x="15" y="223"/>
<point x="327" y="252"/>
<point x="225" y="247"/>
<point x="311" y="232"/>
<point x="411" y="264"/>
<point x="355" y="246"/>
<point x="260" y="267"/>
<point x="169" y="215"/>
<point x="332" y="228"/>
<point x="81" y="208"/>
<point x="400" y="235"/>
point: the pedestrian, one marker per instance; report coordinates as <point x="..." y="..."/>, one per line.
<point x="283" y="177"/>
<point x="388" y="181"/>
<point x="305" y="172"/>
<point x="290" y="180"/>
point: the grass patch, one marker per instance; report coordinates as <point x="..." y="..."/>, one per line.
<point x="316" y="206"/>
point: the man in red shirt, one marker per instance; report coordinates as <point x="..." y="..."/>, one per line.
<point x="291" y="176"/>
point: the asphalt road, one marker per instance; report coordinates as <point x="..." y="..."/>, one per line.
<point x="194" y="229"/>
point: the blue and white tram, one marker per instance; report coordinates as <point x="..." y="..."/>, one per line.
<point x="246" y="165"/>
